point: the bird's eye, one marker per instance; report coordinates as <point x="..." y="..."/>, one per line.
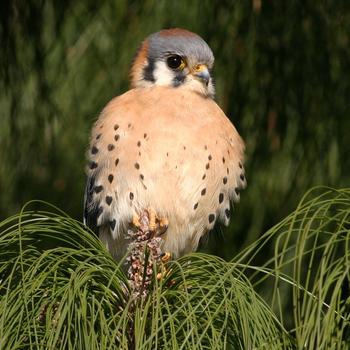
<point x="175" y="62"/>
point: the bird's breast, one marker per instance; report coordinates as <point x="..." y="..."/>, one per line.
<point x="172" y="151"/>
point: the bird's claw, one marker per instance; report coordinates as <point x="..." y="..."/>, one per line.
<point x="157" y="224"/>
<point x="165" y="257"/>
<point x="136" y="221"/>
<point x="163" y="225"/>
<point x="153" y="226"/>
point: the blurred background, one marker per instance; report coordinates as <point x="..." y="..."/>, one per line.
<point x="282" y="75"/>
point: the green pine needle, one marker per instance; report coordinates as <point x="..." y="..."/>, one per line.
<point x="61" y="289"/>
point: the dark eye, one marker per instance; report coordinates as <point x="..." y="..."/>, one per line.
<point x="174" y="61"/>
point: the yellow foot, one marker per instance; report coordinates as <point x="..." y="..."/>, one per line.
<point x="152" y="219"/>
<point x="163" y="225"/>
<point x="165" y="257"/>
<point x="136" y="221"/>
<point x="156" y="224"/>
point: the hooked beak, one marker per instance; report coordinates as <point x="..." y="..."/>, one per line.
<point x="201" y="73"/>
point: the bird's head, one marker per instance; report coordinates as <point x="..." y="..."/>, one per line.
<point x="174" y="57"/>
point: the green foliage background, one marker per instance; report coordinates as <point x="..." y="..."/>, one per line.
<point x="74" y="295"/>
<point x="282" y="75"/>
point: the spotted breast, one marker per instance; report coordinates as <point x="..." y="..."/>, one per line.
<point x="173" y="150"/>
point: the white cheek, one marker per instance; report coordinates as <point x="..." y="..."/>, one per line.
<point x="197" y="86"/>
<point x="162" y="74"/>
<point x="211" y="89"/>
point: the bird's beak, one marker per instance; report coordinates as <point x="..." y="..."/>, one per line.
<point x="201" y="73"/>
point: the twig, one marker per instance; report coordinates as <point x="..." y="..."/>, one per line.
<point x="145" y="254"/>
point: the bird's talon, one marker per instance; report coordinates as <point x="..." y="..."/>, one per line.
<point x="152" y="219"/>
<point x="136" y="221"/>
<point x="156" y="224"/>
<point x="165" y="257"/>
<point x="163" y="225"/>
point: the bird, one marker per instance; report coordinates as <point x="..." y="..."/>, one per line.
<point x="164" y="145"/>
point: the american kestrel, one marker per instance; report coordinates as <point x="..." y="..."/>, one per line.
<point x="166" y="145"/>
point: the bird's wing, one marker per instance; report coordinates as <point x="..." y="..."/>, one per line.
<point x="90" y="208"/>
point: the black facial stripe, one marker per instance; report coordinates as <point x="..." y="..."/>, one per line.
<point x="148" y="71"/>
<point x="179" y="79"/>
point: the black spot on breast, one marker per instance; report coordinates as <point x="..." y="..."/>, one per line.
<point x="93" y="165"/>
<point x="112" y="224"/>
<point x="223" y="160"/>
<point x="98" y="189"/>
<point x="116" y="127"/>
<point x="184" y="148"/>
<point x="210" y="157"/>
<point x="167" y="154"/>
<point x="110" y="178"/>
<point x="148" y="71"/>
<point x="221" y="198"/>
<point x="204" y="176"/>
<point x="110" y="147"/>
<point x="94" y="150"/>
<point x="211" y="218"/>
<point x="205" y="147"/>
<point x="141" y="176"/>
<point x="242" y="177"/>
<point x="227" y="213"/>
<point x="228" y="171"/>
<point x="98" y="136"/>
<point x="137" y="165"/>
<point x="240" y="165"/>
<point x="224" y="180"/>
<point x="131" y="196"/>
<point x="129" y="125"/>
<point x="116" y="162"/>
<point x="203" y="192"/>
<point x="144" y="135"/>
<point x="116" y="137"/>
<point x="109" y="200"/>
<point x="195" y="206"/>
<point x="207" y="166"/>
<point x="138" y="143"/>
<point x="237" y="191"/>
